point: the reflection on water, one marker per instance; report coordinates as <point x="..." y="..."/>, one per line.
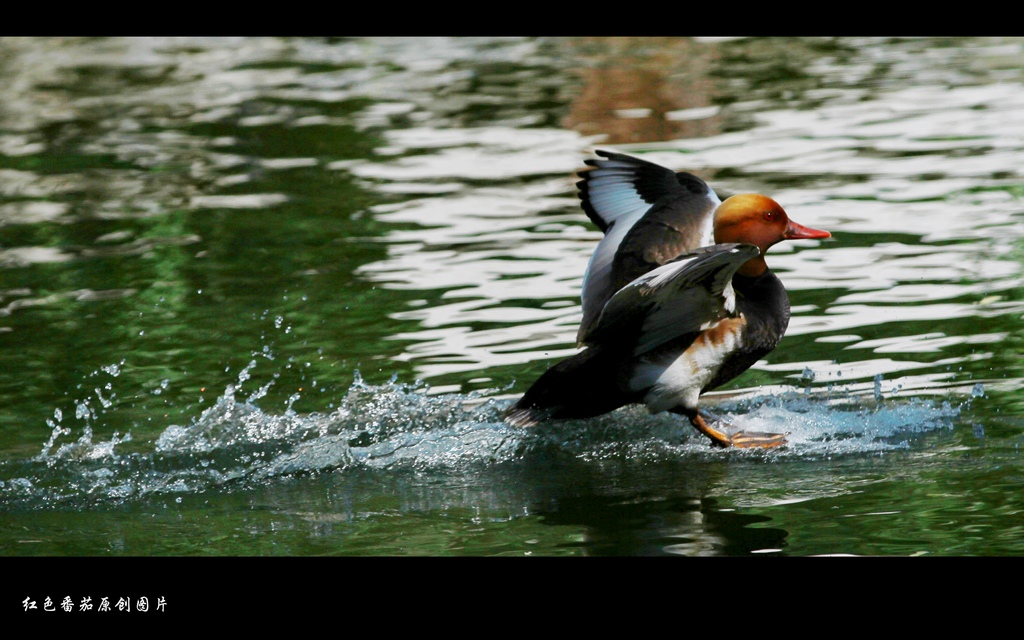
<point x="642" y="90"/>
<point x="203" y="240"/>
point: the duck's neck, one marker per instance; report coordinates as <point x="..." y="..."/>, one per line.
<point x="753" y="268"/>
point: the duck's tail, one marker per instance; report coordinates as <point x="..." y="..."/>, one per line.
<point x="583" y="386"/>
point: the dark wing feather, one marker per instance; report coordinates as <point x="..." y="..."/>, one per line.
<point x="681" y="297"/>
<point x="618" y="186"/>
<point x="648" y="213"/>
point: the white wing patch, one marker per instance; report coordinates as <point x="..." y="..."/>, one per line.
<point x="612" y="193"/>
<point x="597" y="277"/>
<point x="616" y="201"/>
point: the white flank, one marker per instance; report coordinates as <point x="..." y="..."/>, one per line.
<point x="679" y="382"/>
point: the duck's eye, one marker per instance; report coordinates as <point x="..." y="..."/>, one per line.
<point x="769" y="215"/>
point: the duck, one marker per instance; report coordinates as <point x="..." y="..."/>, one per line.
<point x="677" y="298"/>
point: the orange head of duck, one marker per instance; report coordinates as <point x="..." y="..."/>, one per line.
<point x="758" y="220"/>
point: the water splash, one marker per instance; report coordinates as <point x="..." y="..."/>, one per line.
<point x="235" y="444"/>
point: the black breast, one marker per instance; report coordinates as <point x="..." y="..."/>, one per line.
<point x="764" y="304"/>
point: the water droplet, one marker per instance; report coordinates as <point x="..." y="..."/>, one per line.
<point x="978" y="391"/>
<point x="106" y="402"/>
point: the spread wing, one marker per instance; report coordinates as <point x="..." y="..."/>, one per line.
<point x="684" y="296"/>
<point x="649" y="214"/>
